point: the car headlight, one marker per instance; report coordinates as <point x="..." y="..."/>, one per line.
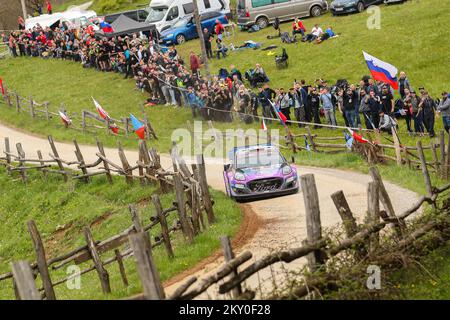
<point x="239" y="176"/>
<point x="287" y="170"/>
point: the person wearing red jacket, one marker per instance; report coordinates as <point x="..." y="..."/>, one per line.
<point x="219" y="29"/>
<point x="49" y="7"/>
<point x="194" y="61"/>
<point x="298" y="27"/>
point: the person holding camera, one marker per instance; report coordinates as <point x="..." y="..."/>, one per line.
<point x="328" y="106"/>
<point x="444" y="110"/>
<point x="314" y="105"/>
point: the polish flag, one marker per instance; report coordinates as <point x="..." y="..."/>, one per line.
<point x="65" y="119"/>
<point x="100" y="110"/>
<point x="358" y="137"/>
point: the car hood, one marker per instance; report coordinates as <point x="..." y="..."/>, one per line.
<point x="261" y="172"/>
<point x="166" y="32"/>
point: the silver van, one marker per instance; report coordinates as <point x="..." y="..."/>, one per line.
<point x="264" y="12"/>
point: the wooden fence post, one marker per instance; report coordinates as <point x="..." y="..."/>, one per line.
<point x="43" y="170"/>
<point x="313" y="224"/>
<point x="17" y="103"/>
<point x="7" y="155"/>
<point x="126" y="165"/>
<point x="442" y="151"/>
<point x="41" y="260"/>
<point x="32" y="112"/>
<point x="47" y="114"/>
<point x="24" y="281"/>
<point x="163" y="222"/>
<point x="398" y="150"/>
<point x="384" y="196"/>
<point x="426" y="175"/>
<point x="373" y="213"/>
<point x="435" y="157"/>
<point x="101" y="271"/>
<point x="181" y="205"/>
<point x="345" y="212"/>
<point x="105" y="163"/>
<point x="229" y="255"/>
<point x="80" y="158"/>
<point x="207" y="202"/>
<point x="123" y="274"/>
<point x="83" y="120"/>
<point x="146" y="268"/>
<point x="21" y="155"/>
<point x="58" y="160"/>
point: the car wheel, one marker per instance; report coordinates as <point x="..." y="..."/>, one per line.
<point x="262" y="22"/>
<point x="360" y="7"/>
<point x="181" y="39"/>
<point x="316" y="11"/>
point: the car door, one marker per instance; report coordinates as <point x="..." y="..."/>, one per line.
<point x="191" y="29"/>
<point x="282" y="9"/>
<point x="300" y="8"/>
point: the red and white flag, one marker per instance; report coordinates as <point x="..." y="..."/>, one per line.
<point x="358" y="137"/>
<point x="263" y="125"/>
<point x="65" y="119"/>
<point x="2" y="88"/>
<point x="102" y="112"/>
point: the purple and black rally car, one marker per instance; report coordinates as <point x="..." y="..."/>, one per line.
<point x="258" y="172"/>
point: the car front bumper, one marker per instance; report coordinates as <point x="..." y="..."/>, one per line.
<point x="343" y="10"/>
<point x="289" y="186"/>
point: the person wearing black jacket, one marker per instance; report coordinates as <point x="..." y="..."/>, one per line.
<point x="208" y="37"/>
<point x="428" y="107"/>
<point x="265" y="96"/>
<point x="314" y="105"/>
<point x="374" y="103"/>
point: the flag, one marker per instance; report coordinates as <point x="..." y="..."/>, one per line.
<point x="382" y="71"/>
<point x="100" y="110"/>
<point x="114" y="128"/>
<point x="357" y="137"/>
<point x="279" y="114"/>
<point x="348" y="140"/>
<point x="65" y="119"/>
<point x="106" y="27"/>
<point x="2" y="88"/>
<point x="263" y="125"/>
<point x="139" y="127"/>
<point x="307" y="146"/>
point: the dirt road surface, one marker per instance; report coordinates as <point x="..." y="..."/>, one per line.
<point x="281" y="221"/>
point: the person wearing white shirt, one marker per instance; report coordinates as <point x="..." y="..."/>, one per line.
<point x="316" y="32"/>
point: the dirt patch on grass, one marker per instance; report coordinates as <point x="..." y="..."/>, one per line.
<point x="250" y="225"/>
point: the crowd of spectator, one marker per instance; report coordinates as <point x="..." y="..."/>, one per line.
<point x="170" y="81"/>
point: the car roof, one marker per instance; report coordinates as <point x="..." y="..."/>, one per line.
<point x="236" y="150"/>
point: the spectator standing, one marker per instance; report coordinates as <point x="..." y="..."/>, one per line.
<point x="403" y="83"/>
<point x="314" y="105"/>
<point x="219" y="29"/>
<point x="207" y="37"/>
<point x="49" y="7"/>
<point x="429" y="107"/>
<point x="374" y="103"/>
<point x="444" y="110"/>
<point x="328" y="106"/>
<point x="283" y="104"/>
<point x="194" y="62"/>
<point x="265" y="97"/>
<point x="387" y="100"/>
<point x="21" y="23"/>
<point x="299" y="104"/>
<point x="349" y="107"/>
<point x="417" y="113"/>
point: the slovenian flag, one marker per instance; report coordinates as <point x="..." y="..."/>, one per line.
<point x="263" y="125"/>
<point x="106" y="27"/>
<point x="357" y="137"/>
<point x="139" y="127"/>
<point x="279" y="114"/>
<point x="100" y="110"/>
<point x="382" y="71"/>
<point x="65" y="118"/>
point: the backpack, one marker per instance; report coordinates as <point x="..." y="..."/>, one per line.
<point x="285" y="38"/>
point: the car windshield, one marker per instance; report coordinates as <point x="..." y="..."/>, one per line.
<point x="258" y="158"/>
<point x="181" y="23"/>
<point x="156" y="14"/>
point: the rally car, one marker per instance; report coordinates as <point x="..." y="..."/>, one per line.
<point x="257" y="172"/>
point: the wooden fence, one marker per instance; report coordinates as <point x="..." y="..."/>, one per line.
<point x="192" y="203"/>
<point x="43" y="111"/>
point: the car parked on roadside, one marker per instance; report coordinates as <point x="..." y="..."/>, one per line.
<point x="185" y="29"/>
<point x="338" y="7"/>
<point x="139" y="15"/>
<point x="257" y="172"/>
<point x="263" y="12"/>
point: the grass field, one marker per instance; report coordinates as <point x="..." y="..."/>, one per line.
<point x="61" y="210"/>
<point x="104" y="6"/>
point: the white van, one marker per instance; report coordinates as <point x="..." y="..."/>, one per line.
<point x="165" y="13"/>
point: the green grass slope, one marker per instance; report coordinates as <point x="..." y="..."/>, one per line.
<point x="61" y="210"/>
